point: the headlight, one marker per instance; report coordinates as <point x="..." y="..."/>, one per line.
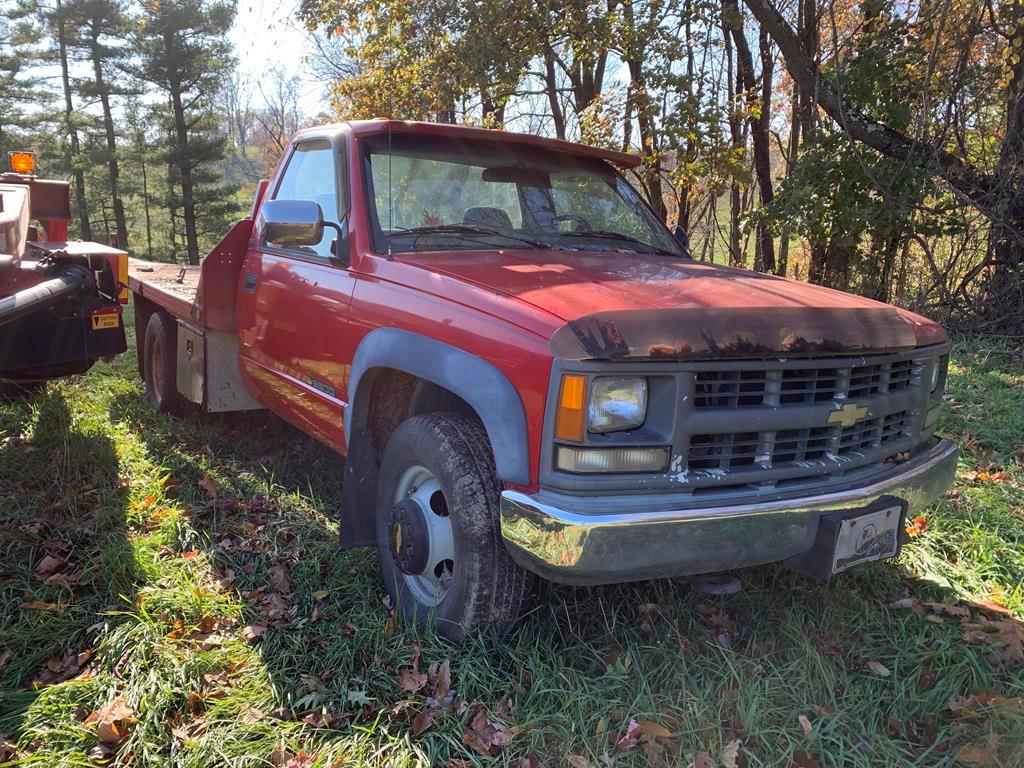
<point x="939" y="372"/>
<point x="617" y="403"/>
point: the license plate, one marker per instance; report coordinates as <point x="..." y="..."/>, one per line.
<point x="104" y="321"/>
<point x="867" y="538"/>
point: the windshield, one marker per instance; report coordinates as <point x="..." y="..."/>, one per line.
<point x="428" y="194"/>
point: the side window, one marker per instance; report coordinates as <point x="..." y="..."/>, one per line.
<point x="310" y="175"/>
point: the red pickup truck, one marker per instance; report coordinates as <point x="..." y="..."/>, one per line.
<point x="529" y="375"/>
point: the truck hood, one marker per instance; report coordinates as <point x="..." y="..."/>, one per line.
<point x="617" y="305"/>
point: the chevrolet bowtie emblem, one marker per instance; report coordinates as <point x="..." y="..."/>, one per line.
<point x="848" y="415"/>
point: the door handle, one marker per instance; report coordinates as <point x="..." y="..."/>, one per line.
<point x="250" y="282"/>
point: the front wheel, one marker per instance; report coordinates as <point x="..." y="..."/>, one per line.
<point x="438" y="536"/>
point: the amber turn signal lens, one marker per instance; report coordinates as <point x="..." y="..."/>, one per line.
<point x="23" y="162"/>
<point x="569" y="421"/>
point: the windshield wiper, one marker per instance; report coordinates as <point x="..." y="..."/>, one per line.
<point x="470" y="229"/>
<point x="607" y="234"/>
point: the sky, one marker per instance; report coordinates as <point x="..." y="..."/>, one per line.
<point x="267" y="36"/>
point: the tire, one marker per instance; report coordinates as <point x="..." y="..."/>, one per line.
<point x="160" y="363"/>
<point x="479" y="586"/>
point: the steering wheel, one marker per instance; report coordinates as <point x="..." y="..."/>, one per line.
<point x="582" y="226"/>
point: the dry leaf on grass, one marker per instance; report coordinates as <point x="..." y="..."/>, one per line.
<point x="878" y="668"/>
<point x="806" y="760"/>
<point x="1005" y="636"/>
<point x="729" y="757"/>
<point x="8" y="749"/>
<point x="209" y="485"/>
<point x="39" y="605"/>
<point x="577" y="761"/>
<point x="978" y="755"/>
<point x="966" y="706"/>
<point x="113" y="721"/>
<point x="702" y="760"/>
<point x="444" y="681"/>
<point x="424" y="719"/>
<point x="411" y="681"/>
<point x="49" y="566"/>
<point x="487" y="737"/>
<point x="251" y="632"/>
<point x="806" y="725"/>
<point x="631" y="737"/>
<point x="301" y="760"/>
<point x="279" y="578"/>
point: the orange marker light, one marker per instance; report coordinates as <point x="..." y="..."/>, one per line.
<point x="22" y="162"/>
<point x="569" y="420"/>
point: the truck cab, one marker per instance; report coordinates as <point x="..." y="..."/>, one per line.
<point x="530" y="377"/>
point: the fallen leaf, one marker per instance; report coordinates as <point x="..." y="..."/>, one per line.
<point x="209" y="485"/>
<point x="486" y="737"/>
<point x="48" y="566"/>
<point x="806" y="724"/>
<point x="878" y="668"/>
<point x="577" y="761"/>
<point x="978" y="754"/>
<point x="279" y="578"/>
<point x="8" y="750"/>
<point x="444" y="681"/>
<point x="702" y="760"/>
<point x="113" y="721"/>
<point x="530" y="761"/>
<point x="4" y="658"/>
<point x="39" y="605"/>
<point x="411" y="681"/>
<point x="424" y="719"/>
<point x="320" y="594"/>
<point x="251" y="632"/>
<point x="917" y="526"/>
<point x="301" y="760"/>
<point x="657" y="730"/>
<point x="631" y="737"/>
<point x="946" y="609"/>
<point x="806" y="760"/>
<point x="729" y="757"/>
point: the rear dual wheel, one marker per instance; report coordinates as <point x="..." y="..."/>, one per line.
<point x="438" y="536"/>
<point x="160" y="352"/>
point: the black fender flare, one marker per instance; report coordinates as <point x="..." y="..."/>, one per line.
<point x="486" y="389"/>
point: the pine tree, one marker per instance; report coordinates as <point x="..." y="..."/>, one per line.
<point x="184" y="51"/>
<point x="101" y="33"/>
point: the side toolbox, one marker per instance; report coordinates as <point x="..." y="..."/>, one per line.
<point x="207" y="370"/>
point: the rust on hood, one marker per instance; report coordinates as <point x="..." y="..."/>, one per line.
<point x="708" y="333"/>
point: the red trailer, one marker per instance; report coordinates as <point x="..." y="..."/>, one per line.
<point x="60" y="301"/>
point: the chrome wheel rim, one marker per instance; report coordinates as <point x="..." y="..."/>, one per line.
<point x="429" y="583"/>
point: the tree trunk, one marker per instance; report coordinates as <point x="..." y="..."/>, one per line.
<point x="1005" y="303"/>
<point x="551" y="85"/>
<point x="69" y="112"/>
<point x="735" y="80"/>
<point x="758" y="108"/>
<point x="188" y="203"/>
<point x="108" y="127"/>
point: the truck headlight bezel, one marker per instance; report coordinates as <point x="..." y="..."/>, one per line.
<point x="940" y="372"/>
<point x="617" y="404"/>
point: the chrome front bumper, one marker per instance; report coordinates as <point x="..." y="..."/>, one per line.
<point x="602" y="540"/>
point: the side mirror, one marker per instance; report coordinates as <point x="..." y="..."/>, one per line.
<point x="292" y="222"/>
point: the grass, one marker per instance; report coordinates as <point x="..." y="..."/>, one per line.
<point x="165" y="586"/>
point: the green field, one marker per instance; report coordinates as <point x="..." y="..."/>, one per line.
<point x="171" y="593"/>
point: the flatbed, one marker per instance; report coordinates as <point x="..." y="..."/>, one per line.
<point x="172" y="286"/>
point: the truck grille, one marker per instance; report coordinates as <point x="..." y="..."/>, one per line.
<point x="795" y="403"/>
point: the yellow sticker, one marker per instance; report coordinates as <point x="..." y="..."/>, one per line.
<point x="101" y="322"/>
